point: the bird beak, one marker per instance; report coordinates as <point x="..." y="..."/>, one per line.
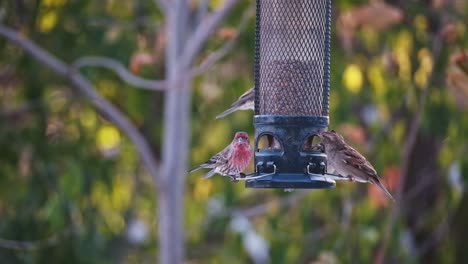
<point x="240" y="140"/>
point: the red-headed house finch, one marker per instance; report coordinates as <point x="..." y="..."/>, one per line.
<point x="245" y="102"/>
<point x="347" y="162"/>
<point x="232" y="160"/>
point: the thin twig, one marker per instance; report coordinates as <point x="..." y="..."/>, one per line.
<point x="161" y="85"/>
<point x="86" y="88"/>
<point x="121" y="71"/>
<point x="215" y="56"/>
<point x="409" y="146"/>
<point x="206" y="27"/>
<point x="202" y="10"/>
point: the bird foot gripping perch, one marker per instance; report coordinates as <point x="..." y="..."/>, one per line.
<point x="253" y="175"/>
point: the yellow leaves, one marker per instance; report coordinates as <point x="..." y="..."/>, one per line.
<point x="47" y="21"/>
<point x="107" y="88"/>
<point x="376" y="79"/>
<point x="53" y="3"/>
<point x="88" y="118"/>
<point x="214" y="4"/>
<point x="122" y="9"/>
<point x="108" y="140"/>
<point x="398" y="131"/>
<point x="426" y="65"/>
<point x="112" y="202"/>
<point x="402" y="50"/>
<point x="352" y="78"/>
<point x="121" y="193"/>
<point x="370" y="37"/>
<point x="420" y="23"/>
<point x="425" y="59"/>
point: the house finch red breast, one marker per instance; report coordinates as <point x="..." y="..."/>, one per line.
<point x="347" y="162"/>
<point x="245" y="102"/>
<point x="232" y="160"/>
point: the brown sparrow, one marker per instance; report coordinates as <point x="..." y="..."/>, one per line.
<point x="347" y="162"/>
<point x="245" y="102"/>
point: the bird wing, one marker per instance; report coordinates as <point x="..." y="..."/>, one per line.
<point x="356" y="160"/>
<point x="247" y="96"/>
<point x="241" y="104"/>
<point x="209" y="174"/>
<point x="215" y="161"/>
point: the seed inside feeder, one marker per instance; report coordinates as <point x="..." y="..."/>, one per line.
<point x="291" y="87"/>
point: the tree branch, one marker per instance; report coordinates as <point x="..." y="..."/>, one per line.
<point x="121" y="71"/>
<point x="160" y="85"/>
<point x="203" y="31"/>
<point x="86" y="88"/>
<point x="411" y="138"/>
<point x="215" y="56"/>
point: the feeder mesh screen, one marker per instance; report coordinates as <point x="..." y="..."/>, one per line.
<point x="292" y="57"/>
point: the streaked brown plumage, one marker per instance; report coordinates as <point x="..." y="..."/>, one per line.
<point x="348" y="162"/>
<point x="232" y="160"/>
<point x="245" y="102"/>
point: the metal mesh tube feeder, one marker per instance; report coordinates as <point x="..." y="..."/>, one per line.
<point x="292" y="73"/>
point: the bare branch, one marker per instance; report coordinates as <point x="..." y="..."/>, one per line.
<point x="203" y="31"/>
<point x="87" y="89"/>
<point x="121" y="71"/>
<point x="202" y="10"/>
<point x="411" y="138"/>
<point x="215" y="56"/>
<point x="160" y="85"/>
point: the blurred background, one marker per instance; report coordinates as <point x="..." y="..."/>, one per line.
<point x="79" y="185"/>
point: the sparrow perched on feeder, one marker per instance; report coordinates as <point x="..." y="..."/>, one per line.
<point x="347" y="162"/>
<point x="245" y="102"/>
<point x="232" y="160"/>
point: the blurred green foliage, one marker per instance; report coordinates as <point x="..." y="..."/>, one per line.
<point x="68" y="173"/>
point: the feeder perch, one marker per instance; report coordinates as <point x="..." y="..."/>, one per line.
<point x="292" y="72"/>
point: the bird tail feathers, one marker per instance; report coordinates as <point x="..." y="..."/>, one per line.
<point x="209" y="174"/>
<point x="196" y="168"/>
<point x="227" y="112"/>
<point x="382" y="187"/>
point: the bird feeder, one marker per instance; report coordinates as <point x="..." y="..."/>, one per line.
<point x="292" y="83"/>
